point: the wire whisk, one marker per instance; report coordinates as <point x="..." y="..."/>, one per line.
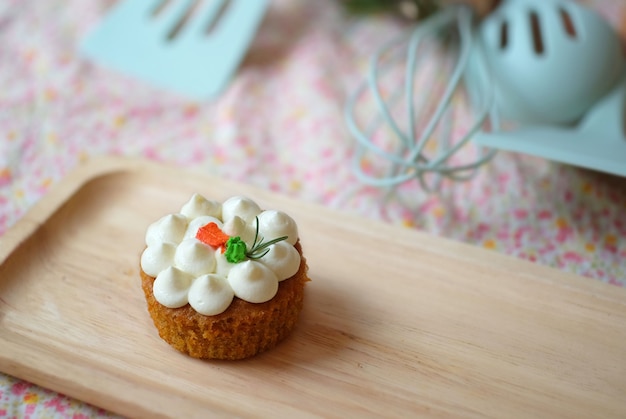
<point x="413" y="156"/>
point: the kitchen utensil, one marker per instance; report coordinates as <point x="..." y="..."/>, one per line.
<point x="545" y="77"/>
<point x="556" y="73"/>
<point x="408" y="160"/>
<point x="552" y="59"/>
<point x="189" y="46"/>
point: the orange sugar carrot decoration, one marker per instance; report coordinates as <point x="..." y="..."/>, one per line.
<point x="212" y="235"/>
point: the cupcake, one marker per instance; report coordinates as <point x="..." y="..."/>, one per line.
<point x="223" y="280"/>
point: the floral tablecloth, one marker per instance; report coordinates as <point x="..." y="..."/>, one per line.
<point x="280" y="125"/>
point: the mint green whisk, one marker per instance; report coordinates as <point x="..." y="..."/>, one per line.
<point x="409" y="161"/>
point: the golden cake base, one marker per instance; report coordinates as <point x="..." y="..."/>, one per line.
<point x="243" y="330"/>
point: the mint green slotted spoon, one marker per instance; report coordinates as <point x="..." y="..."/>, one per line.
<point x="557" y="70"/>
<point x="192" y="47"/>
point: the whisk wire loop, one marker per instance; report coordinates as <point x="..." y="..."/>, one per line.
<point x="409" y="161"/>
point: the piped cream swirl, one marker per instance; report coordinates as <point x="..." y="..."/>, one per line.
<point x="189" y="271"/>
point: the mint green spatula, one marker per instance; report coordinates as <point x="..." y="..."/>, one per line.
<point x="192" y="47"/>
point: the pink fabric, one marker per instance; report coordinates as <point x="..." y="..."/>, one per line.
<point x="279" y="126"/>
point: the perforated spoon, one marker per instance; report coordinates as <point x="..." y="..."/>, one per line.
<point x="556" y="69"/>
<point x="552" y="59"/>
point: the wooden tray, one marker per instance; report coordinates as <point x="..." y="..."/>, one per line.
<point x="396" y="323"/>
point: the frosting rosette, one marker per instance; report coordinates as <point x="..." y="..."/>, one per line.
<point x="211" y="252"/>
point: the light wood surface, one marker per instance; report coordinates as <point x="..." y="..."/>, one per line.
<point x="396" y="323"/>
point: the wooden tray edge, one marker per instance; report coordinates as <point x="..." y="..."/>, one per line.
<point x="62" y="191"/>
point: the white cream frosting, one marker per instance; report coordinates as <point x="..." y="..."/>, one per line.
<point x="195" y="257"/>
<point x="157" y="257"/>
<point x="283" y="259"/>
<point x="241" y="206"/>
<point x="237" y="226"/>
<point x="277" y="224"/>
<point x="252" y="281"/>
<point x="222" y="266"/>
<point x="210" y="294"/>
<point x="171" y="287"/>
<point x="170" y="228"/>
<point x="199" y="205"/>
<point x="188" y="270"/>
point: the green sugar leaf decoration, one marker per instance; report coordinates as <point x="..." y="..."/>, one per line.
<point x="235" y="250"/>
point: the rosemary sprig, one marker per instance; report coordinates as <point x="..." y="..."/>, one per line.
<point x="254" y="252"/>
<point x="258" y="245"/>
<point x="236" y="249"/>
